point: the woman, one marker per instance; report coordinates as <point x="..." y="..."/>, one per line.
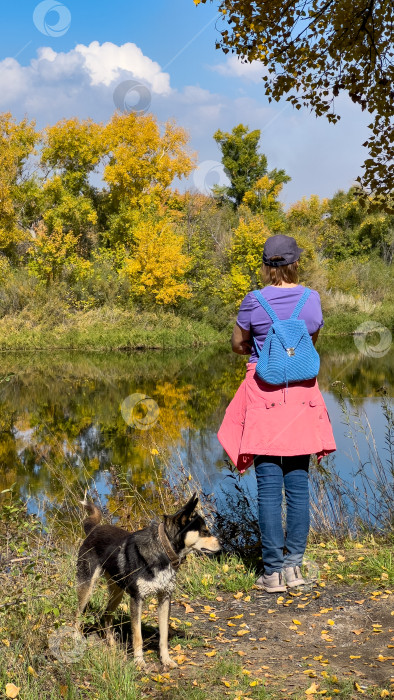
<point x="277" y="427"/>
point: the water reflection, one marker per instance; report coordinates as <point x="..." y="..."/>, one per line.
<point x="61" y="423"/>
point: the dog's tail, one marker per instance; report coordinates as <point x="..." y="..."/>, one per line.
<point x="94" y="515"/>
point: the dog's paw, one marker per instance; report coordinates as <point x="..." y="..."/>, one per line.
<point x="141" y="665"/>
<point x="168" y="663"/>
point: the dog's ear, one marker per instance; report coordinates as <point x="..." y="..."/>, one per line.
<point x="184" y="513"/>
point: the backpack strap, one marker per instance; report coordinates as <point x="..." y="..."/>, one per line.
<point x="264" y="303"/>
<point x="301" y="303"/>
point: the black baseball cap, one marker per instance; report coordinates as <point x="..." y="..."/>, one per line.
<point x="283" y="247"/>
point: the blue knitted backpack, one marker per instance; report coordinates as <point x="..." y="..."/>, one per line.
<point x="288" y="354"/>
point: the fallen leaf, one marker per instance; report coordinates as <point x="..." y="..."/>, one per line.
<point x="236" y="617"/>
<point x="354" y="657"/>
<point x="358" y="631"/>
<point x="6" y="642"/>
<point x="296" y="622"/>
<point x="330" y="622"/>
<point x="211" y="653"/>
<point x="158" y="678"/>
<point x="188" y="608"/>
<point x="312" y="689"/>
<point x="32" y="671"/>
<point x="240" y="633"/>
<point x="227" y="684"/>
<point x="180" y="659"/>
<point x="11" y="690"/>
<point x="357" y="687"/>
<point x="238" y="595"/>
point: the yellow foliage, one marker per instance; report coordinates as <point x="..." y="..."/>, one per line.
<point x="264" y="195"/>
<point x="157" y="266"/>
<point x="50" y="252"/>
<point x="246" y="256"/>
<point x="16" y="143"/>
<point x="73" y="145"/>
<point x="143" y="162"/>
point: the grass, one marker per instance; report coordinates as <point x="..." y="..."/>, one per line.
<point x="364" y="561"/>
<point x="107" y="328"/>
<point x="226" y="573"/>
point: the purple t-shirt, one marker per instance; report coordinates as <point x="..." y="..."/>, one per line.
<point x="252" y="317"/>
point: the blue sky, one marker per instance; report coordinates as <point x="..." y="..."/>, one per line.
<point x="169" y="46"/>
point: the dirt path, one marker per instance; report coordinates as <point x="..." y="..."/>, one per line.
<point x="288" y="642"/>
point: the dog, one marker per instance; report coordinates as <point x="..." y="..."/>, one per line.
<point x="142" y="564"/>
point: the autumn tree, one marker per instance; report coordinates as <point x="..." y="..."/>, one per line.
<point x="311" y="51"/>
<point x="143" y="161"/>
<point x="156" y="265"/>
<point x="243" y="163"/>
<point x="72" y="149"/>
<point x="17" y="141"/>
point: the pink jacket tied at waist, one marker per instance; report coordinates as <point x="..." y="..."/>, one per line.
<point x="263" y="419"/>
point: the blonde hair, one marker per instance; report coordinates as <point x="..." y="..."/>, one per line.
<point x="284" y="273"/>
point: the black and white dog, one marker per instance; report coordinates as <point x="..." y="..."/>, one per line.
<point x="142" y="564"/>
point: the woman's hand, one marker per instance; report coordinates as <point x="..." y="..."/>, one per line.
<point x="241" y="341"/>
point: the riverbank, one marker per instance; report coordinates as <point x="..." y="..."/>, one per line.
<point x="114" y="328"/>
<point x="108" y="328"/>
<point x="334" y="638"/>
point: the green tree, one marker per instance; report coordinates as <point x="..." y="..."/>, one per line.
<point x="311" y="50"/>
<point x="243" y="163"/>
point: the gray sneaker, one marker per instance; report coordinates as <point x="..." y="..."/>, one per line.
<point x="272" y="583"/>
<point x="293" y="576"/>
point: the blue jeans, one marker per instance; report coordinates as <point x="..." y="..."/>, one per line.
<point x="272" y="473"/>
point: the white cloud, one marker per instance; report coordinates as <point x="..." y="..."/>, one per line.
<point x="233" y="67"/>
<point x="62" y="77"/>
<point x="105" y="62"/>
